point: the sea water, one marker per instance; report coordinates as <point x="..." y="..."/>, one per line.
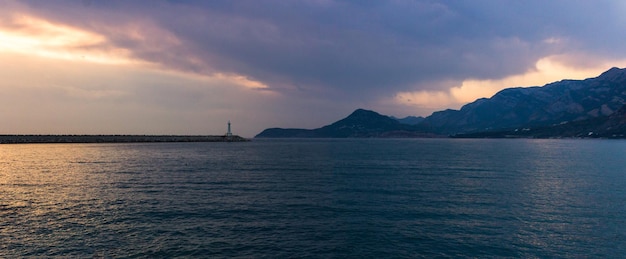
<point x="347" y="198"/>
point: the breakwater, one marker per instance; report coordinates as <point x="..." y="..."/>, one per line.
<point x="26" y="139"/>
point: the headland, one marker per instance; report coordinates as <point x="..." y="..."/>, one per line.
<point x="28" y="139"/>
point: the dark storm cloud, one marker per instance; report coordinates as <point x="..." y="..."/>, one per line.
<point x="340" y="47"/>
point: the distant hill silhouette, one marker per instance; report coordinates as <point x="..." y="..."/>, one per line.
<point x="411" y="120"/>
<point x="360" y="124"/>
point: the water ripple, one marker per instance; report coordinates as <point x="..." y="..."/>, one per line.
<point x="322" y="198"/>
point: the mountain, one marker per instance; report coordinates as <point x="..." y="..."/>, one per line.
<point x="555" y="103"/>
<point x="360" y="124"/>
<point x="411" y="120"/>
<point x="566" y="108"/>
<point x="612" y="126"/>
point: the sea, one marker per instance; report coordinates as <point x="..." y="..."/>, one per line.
<point x="315" y="198"/>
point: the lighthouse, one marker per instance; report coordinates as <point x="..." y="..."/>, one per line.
<point x="229" y="134"/>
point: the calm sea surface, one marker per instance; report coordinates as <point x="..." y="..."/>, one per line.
<point x="357" y="198"/>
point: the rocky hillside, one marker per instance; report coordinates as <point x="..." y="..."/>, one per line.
<point x="555" y="103"/>
<point x="612" y="126"/>
<point x="568" y="107"/>
<point x="360" y="124"/>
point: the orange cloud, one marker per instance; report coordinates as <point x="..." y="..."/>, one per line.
<point x="241" y="80"/>
<point x="33" y="36"/>
<point x="548" y="69"/>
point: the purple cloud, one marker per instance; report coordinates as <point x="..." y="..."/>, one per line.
<point x="350" y="51"/>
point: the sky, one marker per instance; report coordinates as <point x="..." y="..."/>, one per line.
<point x="188" y="67"/>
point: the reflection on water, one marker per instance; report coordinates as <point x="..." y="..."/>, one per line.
<point x="320" y="198"/>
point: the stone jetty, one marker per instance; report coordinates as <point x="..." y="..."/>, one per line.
<point x="26" y="139"/>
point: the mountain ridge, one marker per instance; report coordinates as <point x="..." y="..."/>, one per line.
<point x="411" y="120"/>
<point x="361" y="123"/>
<point x="611" y="126"/>
<point x="566" y="101"/>
<point x="561" y="101"/>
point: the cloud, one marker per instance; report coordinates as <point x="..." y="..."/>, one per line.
<point x="42" y="96"/>
<point x="338" y="45"/>
<point x="30" y="35"/>
<point x="548" y="69"/>
<point x="343" y="46"/>
<point x="281" y="60"/>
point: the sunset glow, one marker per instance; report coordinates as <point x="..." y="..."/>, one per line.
<point x="546" y="70"/>
<point x="187" y="67"/>
<point x="241" y="80"/>
<point x="312" y="128"/>
<point x="33" y="36"/>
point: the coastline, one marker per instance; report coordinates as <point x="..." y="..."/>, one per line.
<point x="50" y="139"/>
